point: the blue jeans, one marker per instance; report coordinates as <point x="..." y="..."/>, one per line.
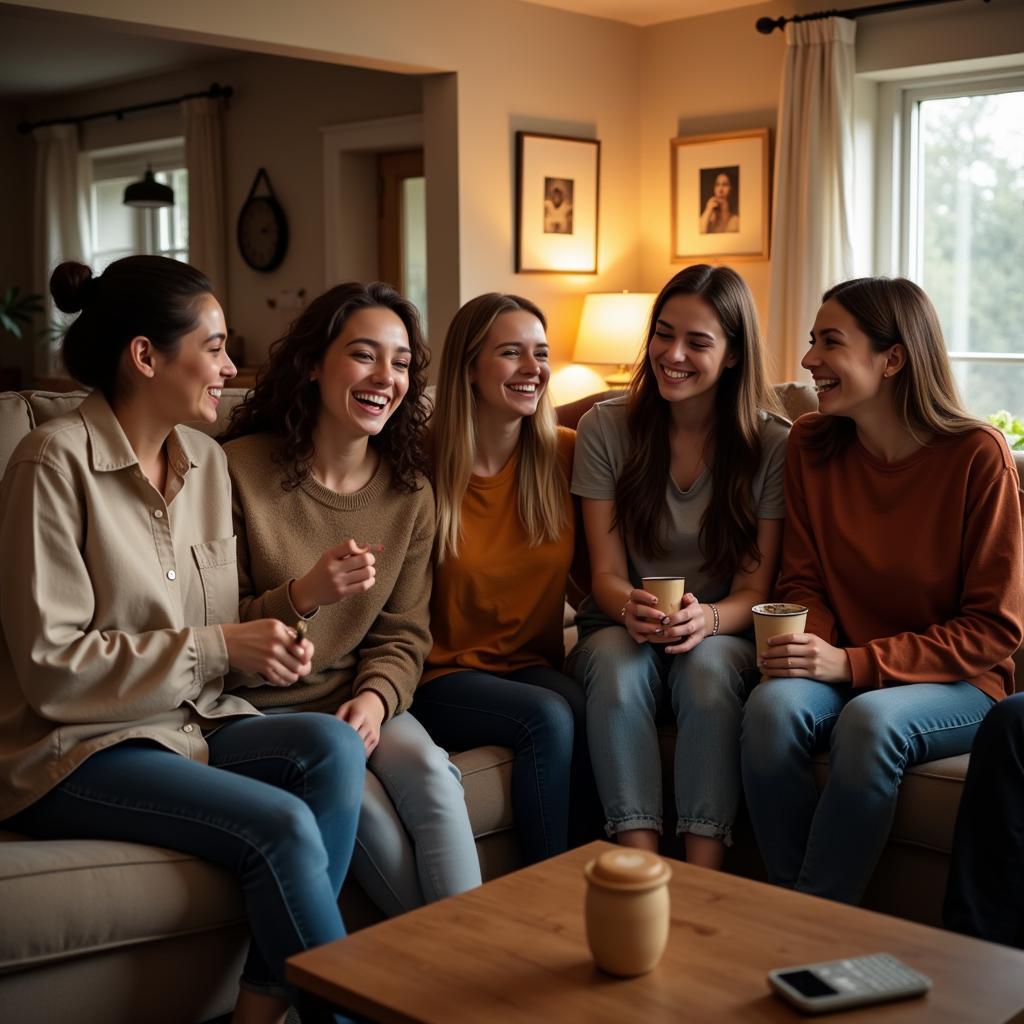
<point x="527" y="710"/>
<point x="829" y="845"/>
<point x="277" y="806"/>
<point x="626" y="684"/>
<point x="414" y="844"/>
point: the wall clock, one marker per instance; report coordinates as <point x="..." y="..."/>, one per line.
<point x="262" y="228"/>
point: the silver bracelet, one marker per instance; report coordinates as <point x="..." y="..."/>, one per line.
<point x="714" y="612"/>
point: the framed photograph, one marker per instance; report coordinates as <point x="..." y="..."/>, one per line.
<point x="556" y="204"/>
<point x="720" y="197"/>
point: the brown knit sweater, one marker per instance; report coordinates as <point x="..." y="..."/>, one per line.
<point x="372" y="641"/>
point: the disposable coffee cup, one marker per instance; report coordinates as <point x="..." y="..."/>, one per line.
<point x="774" y="619"/>
<point x="669" y="591"/>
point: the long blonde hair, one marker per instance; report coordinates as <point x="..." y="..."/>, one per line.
<point x="541" y="486"/>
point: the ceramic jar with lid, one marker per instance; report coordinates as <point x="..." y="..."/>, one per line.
<point x="627" y="910"/>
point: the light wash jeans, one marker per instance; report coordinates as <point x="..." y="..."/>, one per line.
<point x="276" y="806"/>
<point x="829" y="846"/>
<point x="415" y="843"/>
<point x="626" y="684"/>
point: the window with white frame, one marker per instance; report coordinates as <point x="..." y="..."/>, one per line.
<point x="118" y="230"/>
<point x="952" y="154"/>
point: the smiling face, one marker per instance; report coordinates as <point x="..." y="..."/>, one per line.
<point x="848" y="373"/>
<point x="511" y="370"/>
<point x="688" y="350"/>
<point x="190" y="380"/>
<point x="364" y="374"/>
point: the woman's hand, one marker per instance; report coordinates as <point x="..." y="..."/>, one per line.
<point x="641" y="617"/>
<point x="347" y="568"/>
<point x="688" y="625"/>
<point x="364" y="713"/>
<point x="805" y="655"/>
<point x="711" y="210"/>
<point x="269" y="648"/>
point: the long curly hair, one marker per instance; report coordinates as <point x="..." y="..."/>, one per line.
<point x="285" y="400"/>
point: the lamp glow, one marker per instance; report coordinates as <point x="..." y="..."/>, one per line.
<point x="611" y="330"/>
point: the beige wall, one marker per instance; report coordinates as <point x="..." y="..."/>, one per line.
<point x="273" y="120"/>
<point x="517" y="65"/>
<point x="520" y="66"/>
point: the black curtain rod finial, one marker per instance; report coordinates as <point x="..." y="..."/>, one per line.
<point x="768" y="25"/>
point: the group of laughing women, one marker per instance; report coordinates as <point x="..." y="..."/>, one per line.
<point x="258" y="651"/>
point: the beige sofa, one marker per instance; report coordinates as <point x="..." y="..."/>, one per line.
<point x="108" y="932"/>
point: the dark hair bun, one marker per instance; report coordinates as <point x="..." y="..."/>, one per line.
<point x="70" y="285"/>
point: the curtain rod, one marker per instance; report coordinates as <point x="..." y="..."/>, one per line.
<point x="215" y="92"/>
<point x="768" y="25"/>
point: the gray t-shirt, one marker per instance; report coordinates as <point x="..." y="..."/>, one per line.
<point x="602" y="446"/>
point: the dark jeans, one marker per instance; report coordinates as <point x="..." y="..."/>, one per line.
<point x="277" y="806"/>
<point x="532" y="711"/>
<point x="985" y="896"/>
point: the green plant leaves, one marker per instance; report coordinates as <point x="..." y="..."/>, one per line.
<point x="17" y="309"/>
<point x="1012" y="426"/>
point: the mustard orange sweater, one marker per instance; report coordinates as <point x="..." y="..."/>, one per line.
<point x="915" y="567"/>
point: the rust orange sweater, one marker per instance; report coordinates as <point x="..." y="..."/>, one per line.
<point x="915" y="567"/>
<point x="497" y="606"/>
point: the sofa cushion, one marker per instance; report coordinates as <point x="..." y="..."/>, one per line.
<point x="48" y="405"/>
<point x="15" y="422"/>
<point x="487" y="781"/>
<point x="75" y="897"/>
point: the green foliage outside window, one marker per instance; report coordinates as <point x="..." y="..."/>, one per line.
<point x="1011" y="426"/>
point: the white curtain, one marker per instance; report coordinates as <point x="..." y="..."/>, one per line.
<point x="61" y="224"/>
<point x="812" y="246"/>
<point x="204" y="158"/>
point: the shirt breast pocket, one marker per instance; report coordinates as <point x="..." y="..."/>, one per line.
<point x="217" y="562"/>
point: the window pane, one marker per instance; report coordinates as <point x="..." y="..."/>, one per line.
<point x="114" y="225"/>
<point x="988" y="387"/>
<point x="970" y="255"/>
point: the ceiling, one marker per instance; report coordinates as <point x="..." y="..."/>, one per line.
<point x="645" y="12"/>
<point x="43" y="55"/>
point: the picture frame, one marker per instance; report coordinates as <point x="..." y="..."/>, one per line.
<point x="721" y="200"/>
<point x="557" y="191"/>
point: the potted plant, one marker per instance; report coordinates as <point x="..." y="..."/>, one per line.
<point x="1011" y="426"/>
<point x="16" y="312"/>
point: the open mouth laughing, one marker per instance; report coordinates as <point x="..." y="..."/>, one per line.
<point x="823" y="384"/>
<point x="678" y="375"/>
<point x="372" y="401"/>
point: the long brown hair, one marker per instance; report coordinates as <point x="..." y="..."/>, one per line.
<point x="728" y="528"/>
<point x="895" y="311"/>
<point x="541" y="487"/>
<point x="286" y="401"/>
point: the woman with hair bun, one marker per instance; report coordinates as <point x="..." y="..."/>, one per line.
<point x="114" y="723"/>
<point x="335" y="523"/>
<point x="903" y="539"/>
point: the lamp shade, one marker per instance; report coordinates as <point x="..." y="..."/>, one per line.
<point x="612" y="326"/>
<point x="148" y="193"/>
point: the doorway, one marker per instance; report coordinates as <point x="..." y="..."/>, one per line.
<point x="402" y="225"/>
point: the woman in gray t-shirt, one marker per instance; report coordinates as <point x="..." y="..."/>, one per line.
<point x="682" y="477"/>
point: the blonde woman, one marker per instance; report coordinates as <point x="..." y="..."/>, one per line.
<point x="504" y="544"/>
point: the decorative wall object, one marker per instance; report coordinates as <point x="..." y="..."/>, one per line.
<point x="557" y="181"/>
<point x="720" y="197"/>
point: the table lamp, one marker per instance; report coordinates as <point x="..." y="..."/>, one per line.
<point x="611" y="330"/>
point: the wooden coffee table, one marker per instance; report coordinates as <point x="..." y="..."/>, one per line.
<point x="515" y="950"/>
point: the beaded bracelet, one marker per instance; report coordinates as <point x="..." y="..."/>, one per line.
<point x="714" y="612"/>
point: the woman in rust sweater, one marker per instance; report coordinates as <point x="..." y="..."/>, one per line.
<point x="903" y="539"/>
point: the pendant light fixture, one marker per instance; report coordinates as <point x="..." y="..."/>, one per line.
<point x="148" y="193"/>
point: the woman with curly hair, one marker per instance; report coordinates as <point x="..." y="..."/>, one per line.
<point x="335" y="524"/>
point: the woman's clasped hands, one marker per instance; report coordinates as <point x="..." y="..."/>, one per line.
<point x="680" y="631"/>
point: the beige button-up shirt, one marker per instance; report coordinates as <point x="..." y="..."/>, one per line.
<point x="110" y="599"/>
